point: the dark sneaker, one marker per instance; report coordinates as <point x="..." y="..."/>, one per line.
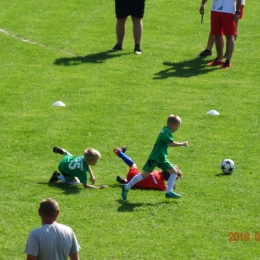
<point x="59" y="150"/>
<point x="216" y="62"/>
<point x="54" y="177"/>
<point x="122" y="149"/>
<point x="137" y="51"/>
<point x="117" y="47"/>
<point x="226" y="65"/>
<point x="121" y="180"/>
<point x="205" y="53"/>
<point x="124" y="192"/>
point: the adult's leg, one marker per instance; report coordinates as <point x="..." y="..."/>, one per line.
<point x="219" y="46"/>
<point x="120" y="29"/>
<point x="216" y="30"/>
<point x="211" y="41"/>
<point x="137" y="29"/>
<point x="229" y="28"/>
<point x="230" y="43"/>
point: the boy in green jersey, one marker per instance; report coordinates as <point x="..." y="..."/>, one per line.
<point x="158" y="158"/>
<point x="75" y="169"/>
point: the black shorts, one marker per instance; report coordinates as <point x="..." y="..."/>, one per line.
<point x="134" y="8"/>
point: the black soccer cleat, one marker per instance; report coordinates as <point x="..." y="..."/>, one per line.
<point x="123" y="149"/>
<point x="121" y="180"/>
<point x="54" y="177"/>
<point x="59" y="150"/>
<point x="120" y="149"/>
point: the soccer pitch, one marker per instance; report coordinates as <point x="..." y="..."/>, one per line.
<point x="58" y="51"/>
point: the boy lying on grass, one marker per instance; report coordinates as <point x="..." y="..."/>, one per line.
<point x="154" y="181"/>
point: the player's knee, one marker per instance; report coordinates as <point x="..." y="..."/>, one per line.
<point x="76" y="181"/>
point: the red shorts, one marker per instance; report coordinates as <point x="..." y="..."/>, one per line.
<point x="133" y="170"/>
<point x="222" y="23"/>
<point x="153" y="181"/>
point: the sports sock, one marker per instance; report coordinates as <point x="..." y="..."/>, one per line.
<point x="133" y="181"/>
<point x="125" y="158"/>
<point x="137" y="46"/>
<point x="171" y="182"/>
<point x="74" y="182"/>
<point x="67" y="153"/>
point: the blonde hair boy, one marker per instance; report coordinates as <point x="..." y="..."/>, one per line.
<point x="158" y="158"/>
<point x="75" y="169"/>
<point x="91" y="156"/>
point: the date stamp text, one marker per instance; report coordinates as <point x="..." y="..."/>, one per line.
<point x="246" y="236"/>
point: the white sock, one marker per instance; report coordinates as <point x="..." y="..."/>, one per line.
<point x="76" y="182"/>
<point x="133" y="181"/>
<point x="171" y="182"/>
<point x="67" y="153"/>
<point x="61" y="177"/>
<point x="73" y="183"/>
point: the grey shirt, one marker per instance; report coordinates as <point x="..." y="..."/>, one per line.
<point x="52" y="242"/>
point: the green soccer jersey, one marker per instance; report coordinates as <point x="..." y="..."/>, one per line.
<point x="74" y="167"/>
<point x="160" y="149"/>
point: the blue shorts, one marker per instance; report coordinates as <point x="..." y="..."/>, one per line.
<point x="125" y="8"/>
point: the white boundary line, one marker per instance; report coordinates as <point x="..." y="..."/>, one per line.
<point x="35" y="43"/>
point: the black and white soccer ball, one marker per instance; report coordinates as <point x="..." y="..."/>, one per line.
<point x="227" y="166"/>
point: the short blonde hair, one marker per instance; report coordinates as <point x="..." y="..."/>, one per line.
<point x="173" y="120"/>
<point x="91" y="155"/>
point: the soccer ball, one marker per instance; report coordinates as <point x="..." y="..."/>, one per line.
<point x="227" y="166"/>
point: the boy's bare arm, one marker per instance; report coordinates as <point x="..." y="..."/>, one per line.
<point x="93" y="180"/>
<point x="174" y="144"/>
<point x="95" y="187"/>
<point x="91" y="177"/>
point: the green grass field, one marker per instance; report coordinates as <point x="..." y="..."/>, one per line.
<point x="53" y="50"/>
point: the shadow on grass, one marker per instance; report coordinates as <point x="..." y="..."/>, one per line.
<point x="130" y="207"/>
<point x="115" y="185"/>
<point x="99" y="57"/>
<point x="184" y="69"/>
<point x="67" y="189"/>
<point x="118" y="185"/>
<point x="222" y="175"/>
